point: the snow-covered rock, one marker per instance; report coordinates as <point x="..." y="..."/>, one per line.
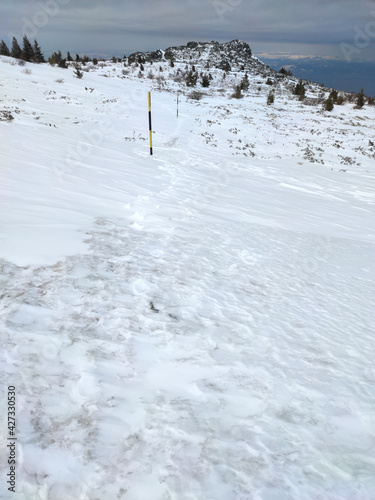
<point x="213" y="53"/>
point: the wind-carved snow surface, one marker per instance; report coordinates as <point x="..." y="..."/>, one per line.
<point x="193" y="325"/>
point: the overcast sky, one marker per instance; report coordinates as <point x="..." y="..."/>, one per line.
<point x="325" y="28"/>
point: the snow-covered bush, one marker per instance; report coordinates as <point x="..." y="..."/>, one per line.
<point x="270" y="98"/>
<point x="328" y="104"/>
<point x="237" y="94"/>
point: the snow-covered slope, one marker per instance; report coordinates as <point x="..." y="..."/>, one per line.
<point x="193" y="325"/>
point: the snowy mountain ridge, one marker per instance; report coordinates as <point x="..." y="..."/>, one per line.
<point x="233" y="58"/>
<point x="215" y="54"/>
<point x="196" y="324"/>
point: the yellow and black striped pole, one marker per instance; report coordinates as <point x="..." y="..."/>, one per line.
<point x="149" y="120"/>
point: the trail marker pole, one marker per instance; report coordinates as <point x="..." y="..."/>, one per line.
<point x="149" y="121"/>
<point x="177" y="104"/>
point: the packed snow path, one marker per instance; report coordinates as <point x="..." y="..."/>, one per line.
<point x="196" y="325"/>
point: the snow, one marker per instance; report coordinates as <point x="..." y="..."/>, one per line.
<point x="193" y="325"/>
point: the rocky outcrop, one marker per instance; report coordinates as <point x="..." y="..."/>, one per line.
<point x="224" y="55"/>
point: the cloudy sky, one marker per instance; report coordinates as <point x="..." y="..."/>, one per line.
<point x="343" y="29"/>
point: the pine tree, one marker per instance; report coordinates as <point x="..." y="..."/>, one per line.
<point x="62" y="64"/>
<point x="16" y="49"/>
<point x="328" y="104"/>
<point x="69" y="57"/>
<point x="205" y="81"/>
<point x="360" y="99"/>
<point x="38" y="56"/>
<point x="333" y="95"/>
<point x="4" y="51"/>
<point x="285" y="72"/>
<point x="340" y="100"/>
<point x="77" y="72"/>
<point x="245" y="82"/>
<point x="27" y="51"/>
<point x="300" y="90"/>
<point x="270" y="98"/>
<point x="56" y="58"/>
<point x="191" y="79"/>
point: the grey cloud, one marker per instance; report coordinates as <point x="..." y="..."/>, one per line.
<point x="111" y="25"/>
